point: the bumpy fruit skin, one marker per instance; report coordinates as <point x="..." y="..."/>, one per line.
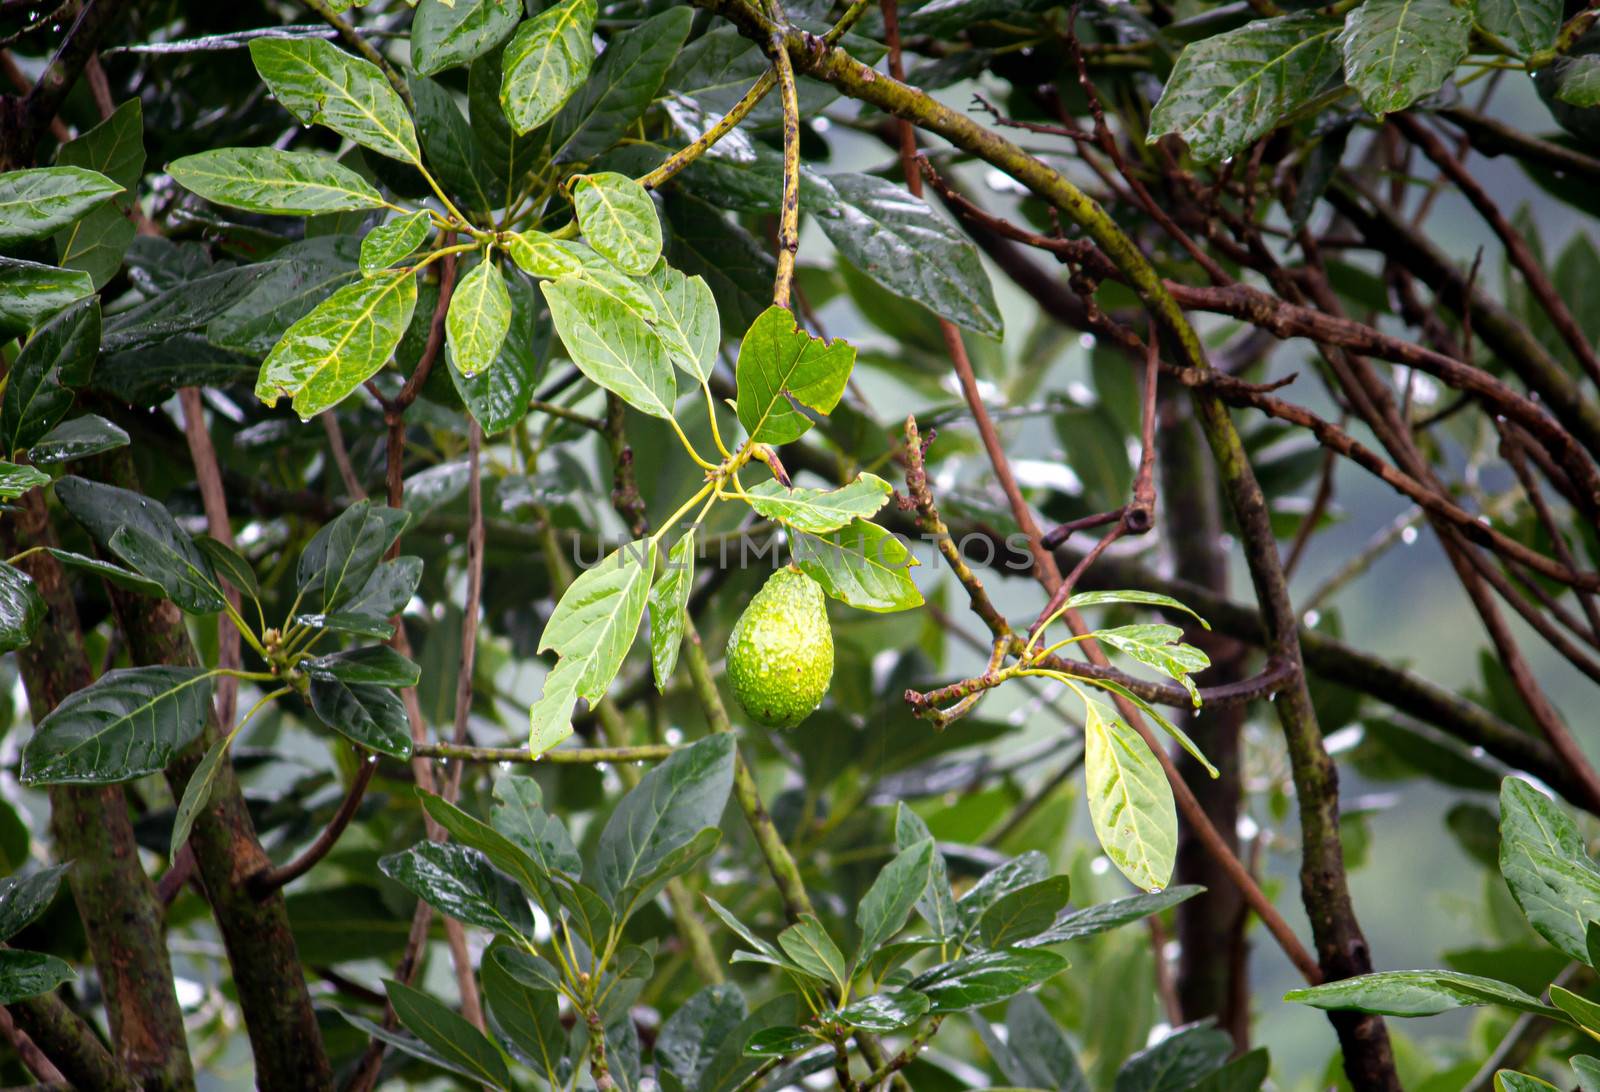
<point x="780" y="654"/>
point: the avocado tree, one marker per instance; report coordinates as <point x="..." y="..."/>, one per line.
<point x="740" y="545"/>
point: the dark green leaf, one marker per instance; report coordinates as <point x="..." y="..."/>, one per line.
<point x="1414" y="993"/>
<point x="58" y="357"/>
<point x="379" y="665"/>
<point x="127" y="723"/>
<point x="197" y="793"/>
<point x="340" y="560"/>
<point x="299" y="277"/>
<point x="24" y="898"/>
<point x="321" y="84"/>
<point x="16" y="479"/>
<point x="623" y="85"/>
<point x="31" y="293"/>
<point x="691" y="1036"/>
<point x="37" y="201"/>
<point x="105" y="570"/>
<point x="519" y="815"/>
<point x="451" y="1036"/>
<point x="445" y="34"/>
<point x="144" y="534"/>
<point x="885" y="1011"/>
<point x="807" y="943"/>
<point x="459" y="881"/>
<point x="1177" y="1062"/>
<point x="372" y="716"/>
<point x="502" y="852"/>
<point x="271" y="181"/>
<point x="96" y="243"/>
<point x="985" y="978"/>
<point x="1024" y="913"/>
<point x="1398" y="51"/>
<point x="1529" y="25"/>
<point x="888" y="902"/>
<point x="779" y="1040"/>
<point x="1035" y="1052"/>
<point x="21" y="609"/>
<point x="526" y="1019"/>
<point x="77" y="438"/>
<point x="453" y="152"/>
<point x="937" y="903"/>
<point x="1111" y="915"/>
<point x="28" y="974"/>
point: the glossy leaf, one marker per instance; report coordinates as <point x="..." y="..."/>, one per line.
<point x="1079" y="600"/>
<point x="780" y="1040"/>
<point x="479" y="316"/>
<point x="883" y="1012"/>
<point x="860" y="564"/>
<point x="105" y="570"/>
<point x="937" y="903"/>
<point x="16" y="480"/>
<point x="669" y="597"/>
<point x="884" y="908"/>
<point x="501" y="851"/>
<point x="459" y="881"/>
<point x="1229" y="90"/>
<point x="320" y="84"/>
<point x="96" y="242"/>
<point x="612" y="345"/>
<point x="1529" y="25"/>
<point x="31" y="293"/>
<point x="299" y="277"/>
<point x="29" y="974"/>
<point x="39" y="389"/>
<point x="1415" y="993"/>
<point x="76" y="439"/>
<point x="1130" y="801"/>
<point x="807" y="943"/>
<point x="372" y="716"/>
<point x="1093" y="920"/>
<point x="24" y="898"/>
<point x="387" y="243"/>
<point x="1543" y="861"/>
<point x="498" y="396"/>
<point x="547" y="59"/>
<point x="1508" y="1081"/>
<point x="1035" y="1052"/>
<point x="686" y="318"/>
<point x="691" y="1036"/>
<point x="902" y="243"/>
<point x="197" y="793"/>
<point x="1577" y="80"/>
<point x="624" y="83"/>
<point x="985" y="978"/>
<point x="447" y="33"/>
<point x="37" y="201"/>
<point x="378" y="665"/>
<point x="21" y="609"/>
<point x="1177" y="1062"/>
<point x="272" y="181"/>
<point x="127" y="723"/>
<point x="342" y="558"/>
<point x="453" y="152"/>
<point x="821" y="510"/>
<point x="526" y="1019"/>
<point x="618" y="218"/>
<point x="451" y="1036"/>
<point x="539" y="254"/>
<point x="1024" y="913"/>
<point x="230" y="565"/>
<point x="341" y="344"/>
<point x="1398" y="51"/>
<point x="781" y="368"/>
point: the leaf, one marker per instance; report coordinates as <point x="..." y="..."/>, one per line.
<point x="29" y="974"/>
<point x="860" y="564"/>
<point x="902" y="243"/>
<point x="1024" y="913"/>
<point x="372" y="716"/>
<point x="545" y="62"/>
<point x="322" y="85"/>
<point x="299" y="277"/>
<point x="1529" y="25"/>
<point x="619" y="220"/>
<point x="271" y="181"/>
<point x="884" y="1012"/>
<point x="983" y="979"/>
<point x="76" y="439"/>
<point x="1577" y="80"/>
<point x="197" y="793"/>
<point x="459" y="881"/>
<point x="37" y="201"/>
<point x="97" y="241"/>
<point x="777" y="1041"/>
<point x="447" y="33"/>
<point x="1093" y="920"/>
<point x="691" y="1036"/>
<point x="378" y="665"/>
<point x="1229" y="90"/>
<point x="16" y="480"/>
<point x="341" y="344"/>
<point x="884" y="908"/>
<point x="526" y="968"/>
<point x="1398" y="51"/>
<point x="229" y="565"/>
<point x="1130" y="801"/>
<point x="389" y="242"/>
<point x="1415" y="993"/>
<point x="501" y="851"/>
<point x="31" y="293"/>
<point x="1160" y="646"/>
<point x="339" y="564"/>
<point x="452" y="150"/>
<point x="127" y="723"/>
<point x="21" y="610"/>
<point x="670" y="806"/>
<point x="807" y="943"/>
<point x="1544" y="864"/>
<point x="624" y="83"/>
<point x="451" y="1036"/>
<point x="1035" y="1052"/>
<point x="57" y="358"/>
<point x="498" y="397"/>
<point x="24" y="898"/>
<point x="598" y="616"/>
<point x="115" y="574"/>
<point x="1581" y="1009"/>
<point x="528" y="1020"/>
<point x="686" y="317"/>
<point x="1175" y="1063"/>
<point x="782" y="368"/>
<point x="669" y="598"/>
<point x="937" y="903"/>
<point x="612" y="345"/>
<point x="821" y="510"/>
<point x="542" y="255"/>
<point x="1153" y="599"/>
<point x="479" y="316"/>
<point x="1588" y="1070"/>
<point x="1508" y="1081"/>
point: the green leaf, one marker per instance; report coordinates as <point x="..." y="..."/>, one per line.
<point x="1177" y="1062"/>
<point x="542" y="255"/>
<point x="270" y="181"/>
<point x="97" y="242"/>
<point x="15" y="480"/>
<point x="1398" y="51"/>
<point x="669" y="597"/>
<point x="1229" y="90"/>
<point x="31" y="293"/>
<point x="1152" y="599"/>
<point x="1035" y="1052"/>
<point x="780" y="1040"/>
<point x="821" y="510"/>
<point x="624" y="84"/>
<point x="985" y="978"/>
<point x="885" y="1012"/>
<point x="509" y="159"/>
<point x="127" y="723"/>
<point x="807" y="943"/>
<point x="76" y="439"/>
<point x="378" y="665"/>
<point x="888" y="902"/>
<point x="341" y="344"/>
<point x="782" y="368"/>
<point x="37" y="201"/>
<point x="619" y="220"/>
<point x="526" y="1019"/>
<point x="373" y="716"/>
<point x="451" y="1036"/>
<point x="545" y="62"/>
<point x="452" y="150"/>
<point x="1577" y="80"/>
<point x="197" y="793"/>
<point x="937" y="904"/>
<point x="447" y="33"/>
<point x="1588" y="1071"/>
<point x="1529" y="25"/>
<point x="1508" y="1081"/>
<point x="389" y="242"/>
<point x="612" y="345"/>
<point x="228" y="564"/>
<point x="299" y="277"/>
<point x="691" y="1036"/>
<point x="902" y="243"/>
<point x="1160" y="719"/>
<point x="1581" y="1009"/>
<point x="550" y="715"/>
<point x="105" y="570"/>
<point x="479" y="316"/>
<point x="686" y="317"/>
<point x="29" y="974"/>
<point x="528" y="969"/>
<point x="24" y="898"/>
<point x="1093" y="920"/>
<point x="1024" y="913"/>
<point x="21" y="609"/>
<point x="671" y="805"/>
<point x="1415" y="993"/>
<point x="1544" y="864"/>
<point x="1130" y="801"/>
<point x="498" y="397"/>
<point x="322" y="85"/>
<point x="57" y="358"/>
<point x="501" y="851"/>
<point x="459" y="881"/>
<point x="860" y="564"/>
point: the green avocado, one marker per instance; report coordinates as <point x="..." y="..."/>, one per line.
<point x="780" y="654"/>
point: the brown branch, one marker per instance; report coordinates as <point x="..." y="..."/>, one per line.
<point x="265" y="883"/>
